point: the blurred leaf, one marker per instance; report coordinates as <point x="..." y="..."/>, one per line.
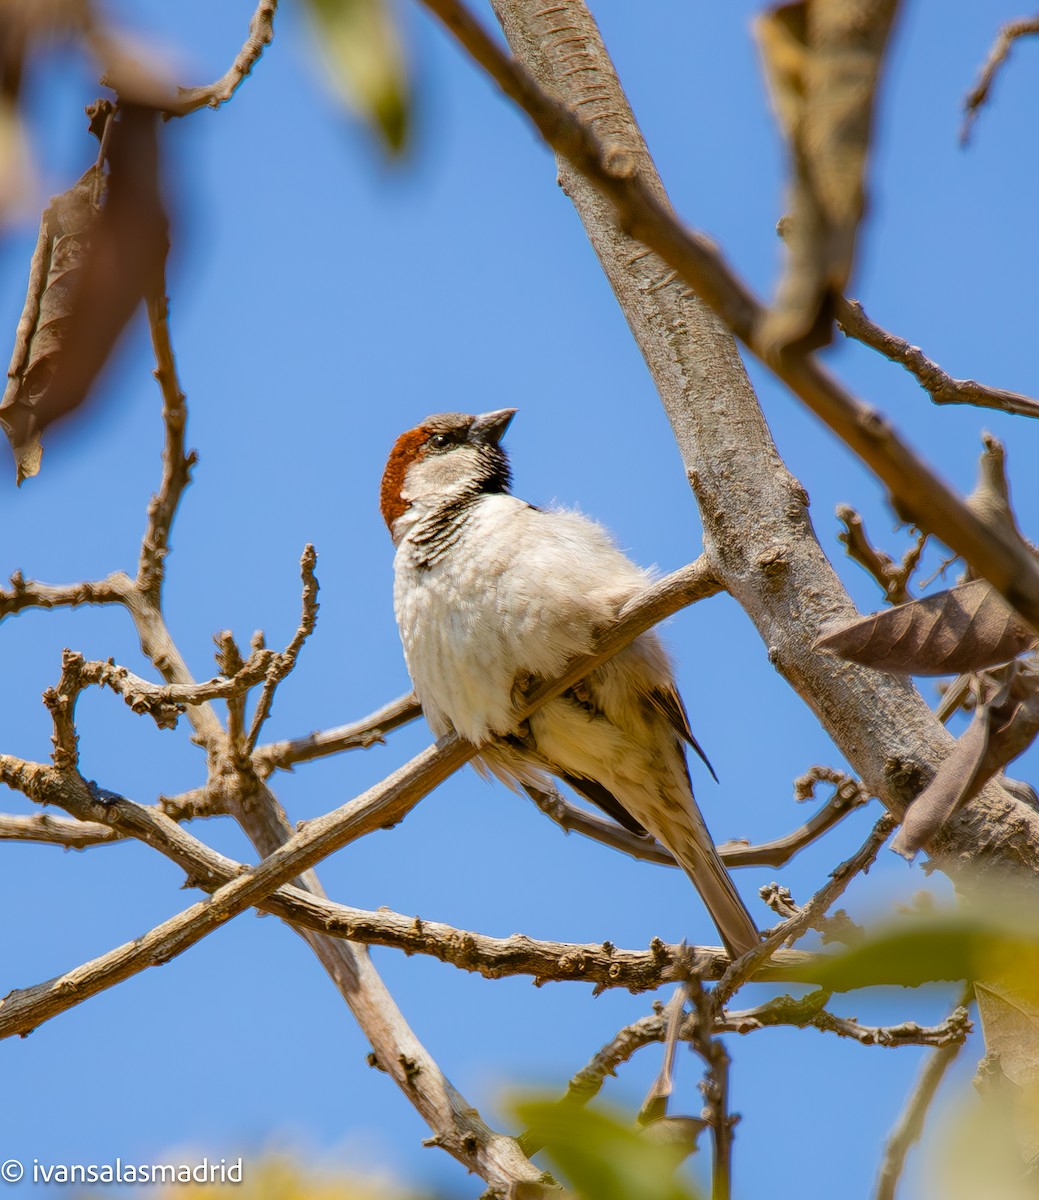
<point x="604" y="1157"/>
<point x="362" y="51"/>
<point x="966" y="628"/>
<point x="997" y="940"/>
<point x="1010" y="1020"/>
<point x="822" y="62"/>
<point x="977" y="1155"/>
<point x="88" y="274"/>
<point x="1004" y="725"/>
<point x="279" y="1177"/>
<point x="990" y="500"/>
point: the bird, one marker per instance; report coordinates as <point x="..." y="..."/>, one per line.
<point x="492" y="594"/>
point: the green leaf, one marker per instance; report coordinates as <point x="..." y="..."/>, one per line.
<point x="362" y="51"/>
<point x="603" y="1156"/>
<point x="983" y="943"/>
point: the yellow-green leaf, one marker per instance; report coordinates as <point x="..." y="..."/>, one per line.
<point x="603" y="1156"/>
<point x="977" y="944"/>
<point x="362" y="50"/>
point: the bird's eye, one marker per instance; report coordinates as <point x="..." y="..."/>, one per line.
<point x="439" y="440"/>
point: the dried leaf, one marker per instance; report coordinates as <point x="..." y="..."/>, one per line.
<point x="967" y="628"/>
<point x="822" y="61"/>
<point x="53" y="275"/>
<point x="1004" y="726"/>
<point x="362" y="51"/>
<point x="1009" y="1012"/>
<point x="88" y="275"/>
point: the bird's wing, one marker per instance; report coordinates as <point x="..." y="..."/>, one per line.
<point x="598" y="795"/>
<point x="666" y="700"/>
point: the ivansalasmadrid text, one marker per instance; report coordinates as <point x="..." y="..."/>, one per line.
<point x="206" y="1170"/>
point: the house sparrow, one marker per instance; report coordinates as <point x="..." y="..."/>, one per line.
<point x="491" y="593"/>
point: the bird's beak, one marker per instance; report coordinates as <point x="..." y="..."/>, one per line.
<point x="489" y="427"/>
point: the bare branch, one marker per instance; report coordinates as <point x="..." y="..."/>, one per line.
<point x="284" y="662"/>
<point x="230" y="662"/>
<point x="782" y="1011"/>
<point x="714" y="1086"/>
<point x="604" y="965"/>
<point x="910" y="1123"/>
<point x="44" y="829"/>
<point x="176" y="464"/>
<point x="918" y="493"/>
<point x="940" y="386"/>
<point x="368" y="731"/>
<point x="29" y="593"/>
<point x="808" y="916"/>
<point x="781" y="850"/>
<point x="163" y="702"/>
<point x="977" y="96"/>
<point x="894" y="580"/>
<point x="261" y="33"/>
<point x="775" y="853"/>
<point x="811" y="1011"/>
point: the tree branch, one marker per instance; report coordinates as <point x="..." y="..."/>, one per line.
<point x="774" y="853"/>
<point x="287" y="660"/>
<point x="29" y="593"/>
<point x="176" y="463"/>
<point x="893" y="580"/>
<point x="910" y="1124"/>
<point x="44" y="829"/>
<point x="977" y="96"/>
<point x="808" y="916"/>
<point x="939" y="385"/>
<point x="212" y="95"/>
<point x="368" y="731"/>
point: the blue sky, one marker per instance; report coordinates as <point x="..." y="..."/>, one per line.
<point x="323" y="301"/>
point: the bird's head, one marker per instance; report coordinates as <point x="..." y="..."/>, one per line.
<point x="449" y="457"/>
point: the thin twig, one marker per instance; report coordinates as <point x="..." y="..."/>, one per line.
<point x="812" y="912"/>
<point x="162" y="702"/>
<point x="910" y="1123"/>
<point x="811" y="1012"/>
<point x="176" y="463"/>
<point x="285" y="661"/>
<point x="939" y="384"/>
<point x="894" y="580"/>
<point x="229" y="660"/>
<point x="715" y="1086"/>
<point x="782" y="1012"/>
<point x="977" y="96"/>
<point x="572" y="817"/>
<point x="212" y="95"/>
<point x="919" y="494"/>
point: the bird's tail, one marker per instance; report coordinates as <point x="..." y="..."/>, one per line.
<point x="701" y="862"/>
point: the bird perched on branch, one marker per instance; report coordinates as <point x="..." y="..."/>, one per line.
<point x="492" y="594"/>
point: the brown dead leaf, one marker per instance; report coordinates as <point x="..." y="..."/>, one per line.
<point x="55" y="268"/>
<point x="967" y="628"/>
<point x="822" y="61"/>
<point x="88" y="274"/>
<point x="1004" y="726"/>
